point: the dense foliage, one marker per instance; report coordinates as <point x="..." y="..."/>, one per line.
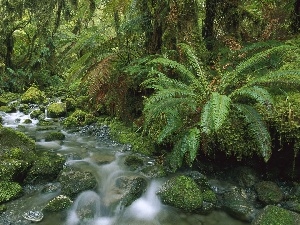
<point x="196" y="76"/>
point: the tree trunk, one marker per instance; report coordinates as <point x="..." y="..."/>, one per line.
<point x="9" y="42"/>
<point x="295" y="26"/>
<point x="208" y="27"/>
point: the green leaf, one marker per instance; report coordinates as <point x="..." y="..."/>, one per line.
<point x="257" y="129"/>
<point x="215" y="113"/>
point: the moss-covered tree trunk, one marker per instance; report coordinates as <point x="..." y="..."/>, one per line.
<point x="295" y="26"/>
<point x="208" y="28"/>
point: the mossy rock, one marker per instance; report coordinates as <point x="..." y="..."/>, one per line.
<point x="8" y="109"/>
<point x="59" y="203"/>
<point x="237" y="204"/>
<point x="55" y="136"/>
<point x="33" y="95"/>
<point x="9" y="191"/>
<point x="3" y="101"/>
<point x="13" y="170"/>
<point x="79" y="118"/>
<point x="35" y="114"/>
<point x="10" y="139"/>
<point x="154" y="171"/>
<point x="273" y="215"/>
<point x="46" y="167"/>
<point x="24" y="108"/>
<point x="181" y="192"/>
<point x="268" y="192"/>
<point x="27" y="121"/>
<point x="73" y="181"/>
<point x="3" y="208"/>
<point x="70" y="104"/>
<point x="56" y="110"/>
<point x="1" y="121"/>
<point x="134" y="161"/>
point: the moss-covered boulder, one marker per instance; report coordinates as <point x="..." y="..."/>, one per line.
<point x="8" y="109"/>
<point x="181" y="192"/>
<point x="73" y="181"/>
<point x="9" y="191"/>
<point x="33" y="95"/>
<point x="56" y="110"/>
<point x="154" y="171"/>
<point x="273" y="215"/>
<point x="237" y="204"/>
<point x="13" y="170"/>
<point x="36" y="114"/>
<point x="134" y="161"/>
<point x="268" y="192"/>
<point x="46" y="167"/>
<point x="79" y="118"/>
<point x="59" y="203"/>
<point x="55" y="136"/>
<point x="15" y="142"/>
<point x="3" y="101"/>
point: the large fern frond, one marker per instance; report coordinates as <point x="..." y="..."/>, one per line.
<point x="186" y="146"/>
<point x="257" y="128"/>
<point x="183" y="73"/>
<point x="233" y="77"/>
<point x="214" y="113"/>
<point x="281" y="78"/>
<point x="259" y="94"/>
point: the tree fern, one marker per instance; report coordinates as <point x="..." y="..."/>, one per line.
<point x="257" y="129"/>
<point x="214" y="113"/>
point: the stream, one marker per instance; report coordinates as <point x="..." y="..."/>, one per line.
<point x="84" y="149"/>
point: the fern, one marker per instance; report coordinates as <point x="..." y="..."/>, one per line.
<point x="214" y="113"/>
<point x="257" y="129"/>
<point x="260" y="95"/>
<point x="186" y="146"/>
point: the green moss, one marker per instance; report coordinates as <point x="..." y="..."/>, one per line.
<point x="7" y="109"/>
<point x="3" y="101"/>
<point x="24" y="108"/>
<point x="53" y="136"/>
<point x="27" y="121"/>
<point x="35" y="114"/>
<point x="9" y="191"/>
<point x="10" y="138"/>
<point x="268" y="192"/>
<point x="181" y="192"/>
<point x="209" y="196"/>
<point x="273" y="215"/>
<point x="46" y="167"/>
<point x="3" y="208"/>
<point x="33" y="95"/>
<point x="128" y="135"/>
<point x="56" y="110"/>
<point x="79" y="118"/>
<point x="13" y="170"/>
<point x="59" y="203"/>
<point x="133" y="162"/>
<point x="70" y="104"/>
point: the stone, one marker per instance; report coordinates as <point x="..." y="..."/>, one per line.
<point x="56" y="110"/>
<point x="55" y="136"/>
<point x="9" y="191"/>
<point x="33" y="95"/>
<point x="268" y="192"/>
<point x="59" y="203"/>
<point x="273" y="215"/>
<point x="181" y="192"/>
<point x="34" y="216"/>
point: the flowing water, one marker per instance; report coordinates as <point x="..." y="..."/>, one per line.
<point x="84" y="149"/>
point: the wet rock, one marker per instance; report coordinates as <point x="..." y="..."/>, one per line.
<point x="154" y="171"/>
<point x="125" y="190"/>
<point x="73" y="181"/>
<point x="33" y="95"/>
<point x="237" y="204"/>
<point x="55" y="136"/>
<point x="79" y="118"/>
<point x="34" y="216"/>
<point x="9" y="191"/>
<point x="200" y="179"/>
<point x="13" y="169"/>
<point x="8" y="109"/>
<point x="51" y="188"/>
<point x="245" y="176"/>
<point x="181" y="192"/>
<point x="46" y="167"/>
<point x="59" y="203"/>
<point x="35" y="114"/>
<point x="273" y="215"/>
<point x="101" y="158"/>
<point x="293" y="205"/>
<point x="268" y="192"/>
<point x="56" y="110"/>
<point x="134" y="161"/>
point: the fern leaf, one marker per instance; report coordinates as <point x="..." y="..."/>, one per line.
<point x="187" y="144"/>
<point x="214" y="113"/>
<point x="260" y="95"/>
<point x="282" y="78"/>
<point x="183" y="72"/>
<point x="257" y="129"/>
